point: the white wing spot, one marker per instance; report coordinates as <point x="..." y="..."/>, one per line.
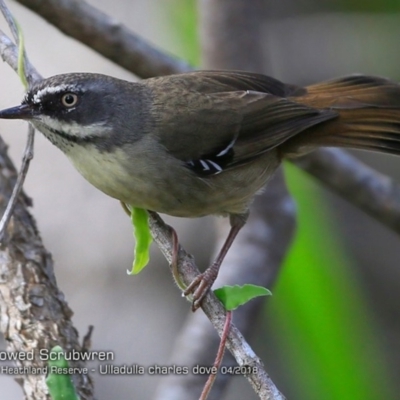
<point x="204" y="165"/>
<point x="224" y="151"/>
<point x="215" y="165"/>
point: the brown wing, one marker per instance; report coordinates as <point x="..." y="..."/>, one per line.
<point x="270" y="121"/>
<point x="210" y="81"/>
<point x="240" y="112"/>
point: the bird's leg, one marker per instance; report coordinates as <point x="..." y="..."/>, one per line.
<point x="174" y="260"/>
<point x="125" y="208"/>
<point x="174" y="250"/>
<point x="203" y="282"/>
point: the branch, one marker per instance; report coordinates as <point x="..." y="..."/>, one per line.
<point x="107" y="36"/>
<point x="372" y="192"/>
<point x="9" y="54"/>
<point x="34" y="314"/>
<point x="26" y="159"/>
<point x="255" y="257"/>
<point x="214" y="310"/>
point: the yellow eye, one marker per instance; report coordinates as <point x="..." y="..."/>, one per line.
<point x="69" y="99"/>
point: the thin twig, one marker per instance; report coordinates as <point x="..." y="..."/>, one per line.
<point x="9" y="50"/>
<point x="30" y="75"/>
<point x="10" y="20"/>
<point x="9" y="54"/>
<point x="87" y="339"/>
<point x="26" y="159"/>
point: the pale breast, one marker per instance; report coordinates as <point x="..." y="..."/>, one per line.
<point x="144" y="175"/>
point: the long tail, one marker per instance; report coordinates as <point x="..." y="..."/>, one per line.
<point x="368" y="111"/>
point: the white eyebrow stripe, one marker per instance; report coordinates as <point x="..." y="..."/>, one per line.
<point x="37" y="97"/>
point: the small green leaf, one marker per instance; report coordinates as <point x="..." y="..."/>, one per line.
<point x="141" y="231"/>
<point x="59" y="381"/>
<point x="234" y="296"/>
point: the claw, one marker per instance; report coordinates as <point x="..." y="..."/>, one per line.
<point x="200" y="285"/>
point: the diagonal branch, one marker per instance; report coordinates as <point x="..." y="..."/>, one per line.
<point x="371" y="191"/>
<point x="255" y="257"/>
<point x="214" y="310"/>
<point x="107" y="36"/>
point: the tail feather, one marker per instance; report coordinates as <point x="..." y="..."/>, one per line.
<point x="352" y="91"/>
<point x="368" y="116"/>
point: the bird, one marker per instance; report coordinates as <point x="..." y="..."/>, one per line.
<point x="204" y="142"/>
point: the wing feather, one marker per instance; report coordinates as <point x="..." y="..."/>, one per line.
<point x="214" y="109"/>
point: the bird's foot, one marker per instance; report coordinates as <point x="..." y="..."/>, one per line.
<point x="200" y="285"/>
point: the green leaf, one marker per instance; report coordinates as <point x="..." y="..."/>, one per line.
<point x="234" y="296"/>
<point x="141" y="231"/>
<point x="59" y="381"/>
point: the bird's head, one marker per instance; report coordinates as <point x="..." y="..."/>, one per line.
<point x="76" y="108"/>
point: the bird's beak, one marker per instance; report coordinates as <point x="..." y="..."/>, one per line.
<point x="24" y="111"/>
